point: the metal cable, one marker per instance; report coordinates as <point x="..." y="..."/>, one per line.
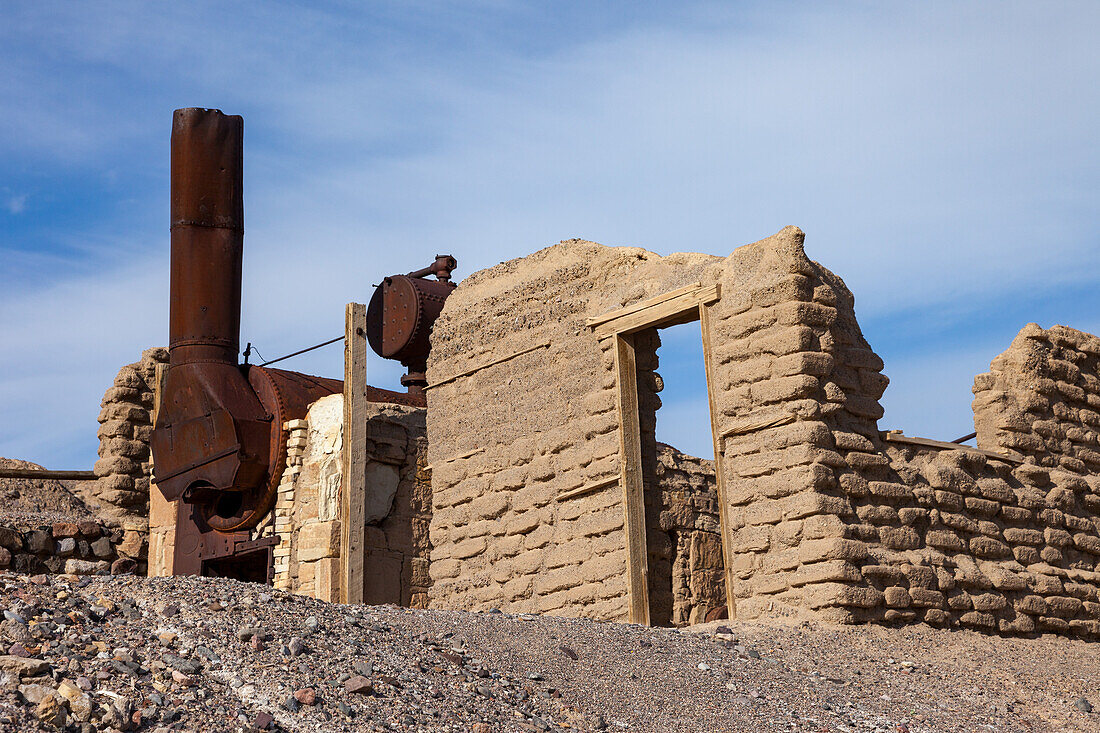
<point x="302" y="351"/>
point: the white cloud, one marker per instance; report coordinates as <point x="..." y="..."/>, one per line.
<point x="17" y="204"/>
<point x="935" y="155"/>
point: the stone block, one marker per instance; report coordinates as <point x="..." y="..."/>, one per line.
<point x="317" y="540"/>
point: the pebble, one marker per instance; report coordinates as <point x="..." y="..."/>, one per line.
<point x="306" y="696"/>
<point x="1083" y="705"/>
<point x="359" y="685"/>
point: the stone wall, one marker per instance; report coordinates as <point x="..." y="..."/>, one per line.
<point x="688" y="517"/>
<point x="121" y="494"/>
<point x="307" y="513"/>
<point x="511" y="444"/>
<point x="85" y="547"/>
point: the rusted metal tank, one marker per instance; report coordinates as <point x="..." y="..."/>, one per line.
<point x="400" y="317"/>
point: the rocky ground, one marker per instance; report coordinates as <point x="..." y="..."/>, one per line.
<point x="27" y="502"/>
<point x="202" y="654"/>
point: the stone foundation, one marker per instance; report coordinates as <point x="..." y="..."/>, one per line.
<point x="307" y="514"/>
<point x="80" y="548"/>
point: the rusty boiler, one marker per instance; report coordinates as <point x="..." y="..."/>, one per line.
<point x="218" y="444"/>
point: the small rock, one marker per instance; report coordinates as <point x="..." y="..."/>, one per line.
<point x="1083" y="705"/>
<point x="568" y="652"/>
<point x="52" y="712"/>
<point x="306" y="696"/>
<point x="263" y="721"/>
<point x="296" y="647"/>
<point x="359" y="685"/>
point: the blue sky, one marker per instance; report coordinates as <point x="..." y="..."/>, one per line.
<point x="941" y="157"/>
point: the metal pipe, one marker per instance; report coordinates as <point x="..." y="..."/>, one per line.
<point x="207" y="215"/>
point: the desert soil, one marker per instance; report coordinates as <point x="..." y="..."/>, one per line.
<point x="205" y="654"/>
<point x="27" y="503"/>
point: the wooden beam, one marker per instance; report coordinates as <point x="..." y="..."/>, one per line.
<point x="44" y="473"/>
<point x="630" y="467"/>
<point x="459" y="457"/>
<point x="353" y="490"/>
<point x="664" y="310"/>
<point x="494" y="362"/>
<point x="719" y="461"/>
<point x="588" y="488"/>
<point x="744" y="428"/>
<point x="642" y="305"/>
<point x="895" y="436"/>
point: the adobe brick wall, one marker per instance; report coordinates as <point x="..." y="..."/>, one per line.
<point x="1041" y="398"/>
<point x="825" y="517"/>
<point x="121" y="494"/>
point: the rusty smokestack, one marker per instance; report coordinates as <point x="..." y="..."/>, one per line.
<point x="212" y="433"/>
<point x="207" y="236"/>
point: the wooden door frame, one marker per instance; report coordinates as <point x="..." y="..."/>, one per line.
<point x="683" y="305"/>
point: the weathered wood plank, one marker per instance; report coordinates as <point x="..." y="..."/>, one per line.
<point x="494" y="362"/>
<point x="659" y="313"/>
<point x="459" y="457"/>
<point x="354" y="489"/>
<point x="744" y="428"/>
<point x="642" y="305"/>
<point x="719" y="461"/>
<point x="46" y="473"/>
<point x="588" y="488"/>
<point x="897" y="437"/>
<point x="630" y="466"/>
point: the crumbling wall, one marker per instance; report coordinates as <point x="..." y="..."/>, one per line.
<point x="1041" y="398"/>
<point x="121" y="494"/>
<point x="824" y="516"/>
<point x="307" y="513"/>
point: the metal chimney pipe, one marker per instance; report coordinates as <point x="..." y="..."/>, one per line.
<point x="207" y="216"/>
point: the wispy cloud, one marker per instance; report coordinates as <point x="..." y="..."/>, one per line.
<point x="17" y="204"/>
<point x="941" y="158"/>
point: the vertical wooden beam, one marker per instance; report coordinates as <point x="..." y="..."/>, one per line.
<point x="353" y="487"/>
<point x="162" y="513"/>
<point x="719" y="471"/>
<point x="630" y="467"/>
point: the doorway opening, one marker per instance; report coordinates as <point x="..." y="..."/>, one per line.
<point x="679" y="487"/>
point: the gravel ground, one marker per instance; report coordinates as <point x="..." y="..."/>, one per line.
<point x="202" y="654"/>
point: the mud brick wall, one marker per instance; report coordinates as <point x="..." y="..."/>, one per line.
<point x="824" y="516"/>
<point x="306" y="517"/>
<point x="799" y="390"/>
<point x="85" y="547"/>
<point x="121" y="493"/>
<point x="1041" y="398"/>
<point x="507" y="441"/>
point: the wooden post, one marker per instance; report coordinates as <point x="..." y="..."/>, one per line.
<point x="353" y="488"/>
<point x="630" y="462"/>
<point x="720" y="474"/>
<point x="162" y="513"/>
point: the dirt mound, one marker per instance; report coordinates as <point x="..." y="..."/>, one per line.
<point x="27" y="502"/>
<point x="204" y="654"/>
